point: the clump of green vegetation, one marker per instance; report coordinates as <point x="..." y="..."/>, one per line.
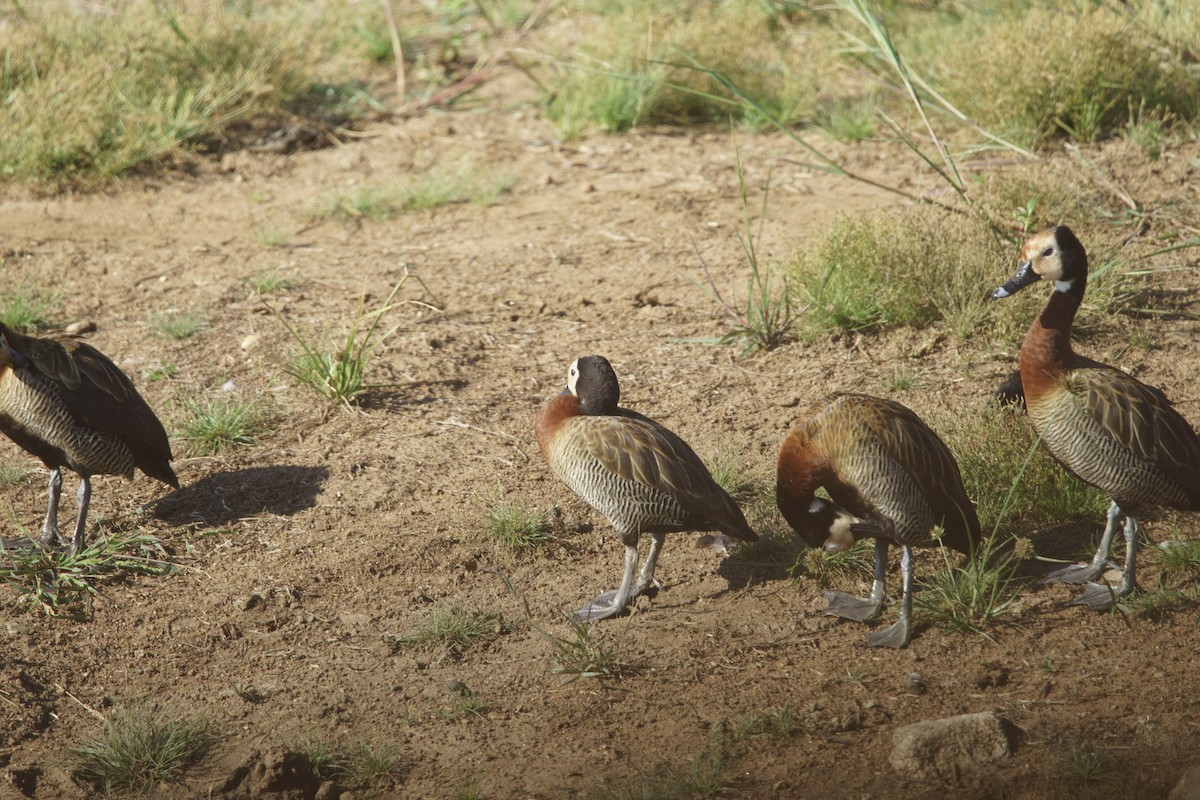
<point x="831" y="568"/>
<point x="217" y="424"/>
<point x="12" y="473"/>
<point x="973" y="595"/>
<point x="356" y="762"/>
<point x="516" y="527"/>
<point x="584" y="654"/>
<point x="658" y="63"/>
<point x="90" y="95"/>
<point x="450" y="630"/>
<point x="25" y="307"/>
<point x="54" y="581"/>
<point x="339" y="373"/>
<point x="137" y="752"/>
<point x="178" y="324"/>
<point x="1081" y="83"/>
<point x="847" y="119"/>
<point x="1084" y="767"/>
<point x="725" y="463"/>
<point x="164" y="371"/>
<point x="271" y="281"/>
<point x="707" y="775"/>
<point x="884" y="270"/>
<point x="438" y="186"/>
<point x="1012" y="479"/>
<point x="777" y="723"/>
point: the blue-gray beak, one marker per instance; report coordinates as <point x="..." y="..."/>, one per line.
<point x="1023" y="277"/>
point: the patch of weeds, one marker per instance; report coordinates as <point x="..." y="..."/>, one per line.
<point x="902" y="380"/>
<point x="516" y="528"/>
<point x="777" y="723"/>
<point x="220" y="423"/>
<point x="584" y="654"/>
<point x="74" y="116"/>
<point x="829" y="568"/>
<point x="708" y="775"/>
<point x="1085" y="767"/>
<point x="1179" y="556"/>
<point x="1158" y="604"/>
<point x="178" y="325"/>
<point x="725" y="464"/>
<point x="647" y="63"/>
<point x="1081" y="84"/>
<point x="974" y="595"/>
<point x="464" y="702"/>
<point x="764" y="320"/>
<point x="138" y="752"/>
<point x="271" y="236"/>
<point x="470" y="791"/>
<point x="25" y="307"/>
<point x="847" y="119"/>
<point x="164" y="371"/>
<point x="878" y="271"/>
<point x="775" y="549"/>
<point x="271" y="281"/>
<point x="1014" y="482"/>
<point x="451" y="630"/>
<point x="55" y="580"/>
<point x="340" y="374"/>
<point x="12" y="473"/>
<point x="356" y="762"/>
<point x="438" y="186"/>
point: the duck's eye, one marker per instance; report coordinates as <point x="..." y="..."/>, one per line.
<point x="1049" y="251"/>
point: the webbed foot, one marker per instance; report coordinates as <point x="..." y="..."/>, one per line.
<point x="847" y="606"/>
<point x="603" y="607"/>
<point x="894" y="636"/>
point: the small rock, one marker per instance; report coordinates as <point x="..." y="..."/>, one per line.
<point x="916" y="683"/>
<point x="1188" y="787"/>
<point x="946" y="749"/>
<point x="250" y="602"/>
<point x="250" y="342"/>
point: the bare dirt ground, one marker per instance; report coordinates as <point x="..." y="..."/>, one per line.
<point x="300" y="554"/>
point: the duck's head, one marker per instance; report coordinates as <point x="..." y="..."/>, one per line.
<point x="592" y="380"/>
<point x="1055" y="255"/>
<point x="827" y="526"/>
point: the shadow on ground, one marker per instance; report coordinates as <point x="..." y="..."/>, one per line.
<point x="225" y="497"/>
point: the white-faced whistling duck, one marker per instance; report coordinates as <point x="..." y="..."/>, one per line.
<point x="69" y="405"/>
<point x="1105" y="427"/>
<point x="889" y="477"/>
<point x="631" y="469"/>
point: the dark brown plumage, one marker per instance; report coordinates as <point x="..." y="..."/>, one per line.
<point x="888" y="476"/>
<point x="1105" y="427"/>
<point x="68" y="404"/>
<point x="637" y="473"/>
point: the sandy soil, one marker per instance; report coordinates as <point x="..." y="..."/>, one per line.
<point x="300" y="555"/>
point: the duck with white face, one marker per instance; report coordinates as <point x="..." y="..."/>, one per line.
<point x="1102" y="425"/>
<point x="634" y="471"/>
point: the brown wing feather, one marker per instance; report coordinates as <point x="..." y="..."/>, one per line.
<point x="100" y="396"/>
<point x="925" y="456"/>
<point x="1142" y="420"/>
<point x="638" y="449"/>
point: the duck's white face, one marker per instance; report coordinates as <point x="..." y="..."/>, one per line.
<point x="1044" y="256"/>
<point x="573" y="376"/>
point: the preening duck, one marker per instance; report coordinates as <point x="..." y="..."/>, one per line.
<point x="889" y="477"/>
<point x="631" y="469"/>
<point x="1107" y="428"/>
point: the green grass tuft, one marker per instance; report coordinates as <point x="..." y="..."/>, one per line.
<point x="55" y="581"/>
<point x="971" y="596"/>
<point x="271" y="281"/>
<point x="138" y="752"/>
<point x="339" y="373"/>
<point x="25" y="307"/>
<point x="438" y="186"/>
<point x="178" y="325"/>
<point x="451" y="631"/>
<point x="516" y="528"/>
<point x="218" y="424"/>
<point x="584" y="654"/>
<point x="708" y="775"/>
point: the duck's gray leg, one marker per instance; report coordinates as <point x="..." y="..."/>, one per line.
<point x="859" y="609"/>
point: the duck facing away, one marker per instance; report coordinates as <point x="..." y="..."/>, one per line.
<point x="68" y="404"/>
<point x="889" y="477"/>
<point x="1105" y="427"/>
<point x="631" y="469"/>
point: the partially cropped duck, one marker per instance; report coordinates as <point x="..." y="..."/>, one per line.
<point x="68" y="404"/>
<point x="1105" y="427"/>
<point x="631" y="469"/>
<point x="889" y="478"/>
